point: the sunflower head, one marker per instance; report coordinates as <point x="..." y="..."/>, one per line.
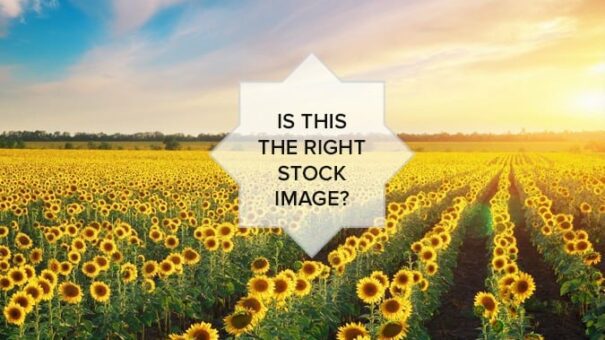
<point x="240" y="322"/>
<point x="261" y="286"/>
<point x="14" y="314"/>
<point x="201" y="331"/>
<point x="70" y="292"/>
<point x="369" y="290"/>
<point x="487" y="304"/>
<point x="100" y="291"/>
<point x="523" y="287"/>
<point x="260" y="265"/>
<point x="352" y="331"/>
<point x="393" y="330"/>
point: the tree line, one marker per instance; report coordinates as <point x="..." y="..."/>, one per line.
<point x="18" y="139"/>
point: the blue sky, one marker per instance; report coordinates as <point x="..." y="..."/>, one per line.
<point x="44" y="44"/>
<point x="175" y="65"/>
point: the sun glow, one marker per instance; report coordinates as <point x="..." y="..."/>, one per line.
<point x="592" y="102"/>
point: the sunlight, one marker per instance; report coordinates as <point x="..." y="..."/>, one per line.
<point x="592" y="102"/>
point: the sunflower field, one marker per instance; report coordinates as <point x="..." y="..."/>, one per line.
<point x="130" y="244"/>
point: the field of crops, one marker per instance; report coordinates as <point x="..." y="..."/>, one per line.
<point x="146" y="245"/>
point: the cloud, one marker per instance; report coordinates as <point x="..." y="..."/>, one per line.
<point x="442" y="60"/>
<point x="132" y="14"/>
<point x="13" y="9"/>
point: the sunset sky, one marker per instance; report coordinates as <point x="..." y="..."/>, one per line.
<point x="175" y="65"/>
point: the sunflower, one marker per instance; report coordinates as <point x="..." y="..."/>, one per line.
<point x="369" y="290"/>
<point x="5" y="252"/>
<point x="352" y="331"/>
<point x="35" y="256"/>
<point x="227" y="245"/>
<point x="240" y="322"/>
<point x="592" y="258"/>
<point x="395" y="308"/>
<point x="283" y="287"/>
<point x="117" y="256"/>
<point x="570" y="248"/>
<point x="3" y="231"/>
<point x="582" y="246"/>
<point x="393" y="330"/>
<point x="507" y="280"/>
<point x="177" y="259"/>
<point x="253" y="304"/>
<point x="50" y="276"/>
<point x="171" y="242"/>
<point x="523" y="287"/>
<point x="148" y="285"/>
<point x="260" y="265"/>
<point x="400" y="291"/>
<point x="166" y="268"/>
<point x="100" y="291"/>
<point x="190" y="256"/>
<point x="499" y="262"/>
<point x="381" y="277"/>
<point x="4" y="265"/>
<point x="416" y="276"/>
<point x="102" y="262"/>
<point x="487" y="303"/>
<point x="70" y="292"/>
<point x="74" y="257"/>
<point x="34" y="290"/>
<point x="211" y="243"/>
<point x="309" y="270"/>
<point x="18" y="276"/>
<point x="23" y="241"/>
<point x="65" y="268"/>
<point x="108" y="247"/>
<point x="150" y="268"/>
<point x="201" y="331"/>
<point x="585" y="208"/>
<point x="335" y="258"/>
<point x="261" y="286"/>
<point x="431" y="268"/>
<point x="424" y="285"/>
<point x="156" y="235"/>
<point x="14" y="314"/>
<point x="19" y="259"/>
<point x="24" y="300"/>
<point x="226" y="230"/>
<point x="90" y="269"/>
<point x="47" y="288"/>
<point x="403" y="278"/>
<point x="302" y="287"/>
<point x="6" y="283"/>
<point x="511" y="268"/>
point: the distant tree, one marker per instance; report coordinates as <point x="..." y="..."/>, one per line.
<point x="171" y="143"/>
<point x="91" y="145"/>
<point x="104" y="146"/>
<point x="69" y="146"/>
<point x="11" y="143"/>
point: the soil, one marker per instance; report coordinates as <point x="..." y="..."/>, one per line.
<point x="455" y="318"/>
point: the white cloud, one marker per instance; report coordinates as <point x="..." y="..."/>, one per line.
<point x="132" y="14"/>
<point x="11" y="8"/>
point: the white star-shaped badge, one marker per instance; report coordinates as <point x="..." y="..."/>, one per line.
<point x="311" y="155"/>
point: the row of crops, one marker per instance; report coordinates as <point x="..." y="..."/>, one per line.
<point x="136" y="244"/>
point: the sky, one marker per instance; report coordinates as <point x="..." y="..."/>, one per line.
<point x="175" y="65"/>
